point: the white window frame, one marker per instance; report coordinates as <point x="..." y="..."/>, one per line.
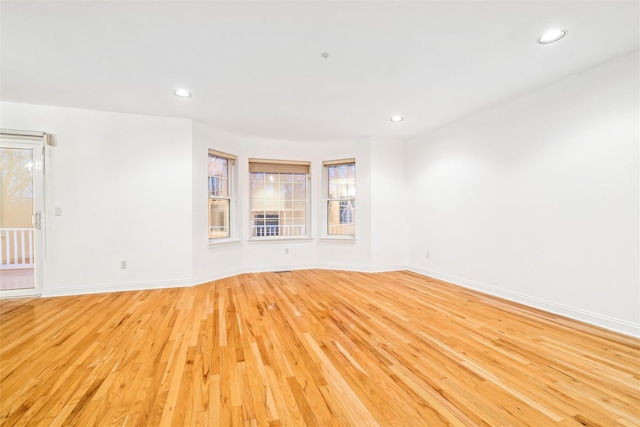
<point x="281" y="166"/>
<point x="231" y="183"/>
<point x="325" y="189"/>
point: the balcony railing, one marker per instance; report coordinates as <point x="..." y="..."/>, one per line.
<point x="16" y="248"/>
<point x="218" y="231"/>
<point x="278" y="230"/>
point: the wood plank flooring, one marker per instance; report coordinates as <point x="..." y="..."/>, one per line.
<point x="315" y="348"/>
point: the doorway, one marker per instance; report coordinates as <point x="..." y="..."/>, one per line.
<point x="21" y="213"/>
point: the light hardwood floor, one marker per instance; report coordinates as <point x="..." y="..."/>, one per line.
<point x="316" y="348"/>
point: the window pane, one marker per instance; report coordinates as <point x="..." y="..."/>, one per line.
<point x="218" y="218"/>
<point x="341" y="217"/>
<point x="271" y="177"/>
<point x="299" y="192"/>
<point x="218" y="176"/>
<point x="331" y="170"/>
<point x="278" y="204"/>
<point x="342" y="189"/>
<point x="341" y="181"/>
<point x="299" y="207"/>
<point x="341" y="192"/>
<point x="265" y="224"/>
<point x="220" y="188"/>
<point x="333" y="190"/>
<point x="351" y="189"/>
<point x="269" y="191"/>
<point x="257" y="205"/>
<point x="286" y="191"/>
<point x="351" y="172"/>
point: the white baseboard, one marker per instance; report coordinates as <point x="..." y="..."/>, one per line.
<point x="361" y="268"/>
<point x="116" y="287"/>
<point x="274" y="268"/>
<point x="199" y="280"/>
<point x="138" y="286"/>
<point x="344" y="267"/>
<point x="387" y="268"/>
<point x="618" y="325"/>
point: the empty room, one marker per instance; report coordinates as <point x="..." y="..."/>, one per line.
<point x="319" y="213"/>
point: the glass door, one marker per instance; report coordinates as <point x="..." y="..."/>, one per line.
<point x="21" y="215"/>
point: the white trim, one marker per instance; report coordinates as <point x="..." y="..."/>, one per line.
<point x="610" y="323"/>
<point x="361" y="268"/>
<point x="232" y="179"/>
<point x="344" y="238"/>
<point x="618" y="325"/>
<point x="276" y="268"/>
<point x="387" y="268"/>
<point x="35" y="141"/>
<point x="117" y="287"/>
<point x="325" y="190"/>
<point x="308" y="206"/>
<point x="226" y="241"/>
<point x="277" y="239"/>
<point x="345" y="267"/>
<point x="13" y="133"/>
<point x="201" y="280"/>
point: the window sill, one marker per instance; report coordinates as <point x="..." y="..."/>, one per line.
<point x="221" y="242"/>
<point x="341" y="238"/>
<point x="279" y="239"/>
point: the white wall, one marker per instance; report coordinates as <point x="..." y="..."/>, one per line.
<point x="537" y="199"/>
<point x="390" y="205"/>
<point x="346" y="254"/>
<point x="270" y="255"/>
<point x="211" y="262"/>
<point x="123" y="183"/>
<point x="133" y="188"/>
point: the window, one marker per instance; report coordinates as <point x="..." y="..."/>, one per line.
<point x="341" y="197"/>
<point x="220" y="194"/>
<point x="279" y="198"/>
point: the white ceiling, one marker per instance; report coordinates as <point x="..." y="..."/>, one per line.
<point x="255" y="68"/>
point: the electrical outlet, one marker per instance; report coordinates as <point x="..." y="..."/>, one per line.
<point x="123" y="265"/>
<point x="426" y="254"/>
<point x="286" y="251"/>
<point x="58" y="211"/>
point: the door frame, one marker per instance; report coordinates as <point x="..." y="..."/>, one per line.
<point x="35" y="141"/>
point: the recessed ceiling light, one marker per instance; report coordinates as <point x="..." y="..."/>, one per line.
<point x="396" y="119"/>
<point x="182" y="93"/>
<point x="552" y="36"/>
